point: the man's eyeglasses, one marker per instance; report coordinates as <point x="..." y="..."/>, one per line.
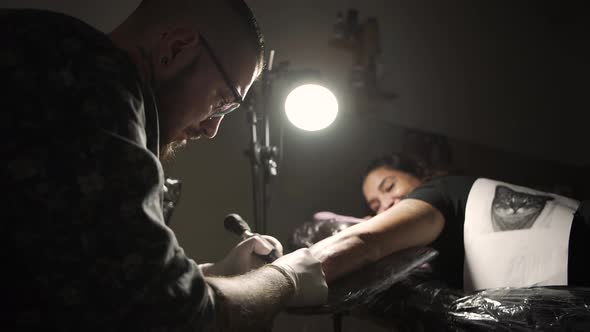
<point x="238" y="99"/>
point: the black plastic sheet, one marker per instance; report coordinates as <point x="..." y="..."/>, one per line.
<point x="523" y="309"/>
<point x="434" y="307"/>
<point x="399" y="291"/>
<point x="362" y="286"/>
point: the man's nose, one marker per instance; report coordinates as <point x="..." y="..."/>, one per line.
<point x="211" y="126"/>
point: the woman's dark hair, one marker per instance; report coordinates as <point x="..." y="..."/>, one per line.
<point x="401" y="162"/>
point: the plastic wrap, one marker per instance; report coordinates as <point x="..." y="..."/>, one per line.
<point x="434" y="307"/>
<point x="523" y="309"/>
<point x="323" y="225"/>
<point x="399" y="292"/>
<point x="360" y="287"/>
<point x="313" y="231"/>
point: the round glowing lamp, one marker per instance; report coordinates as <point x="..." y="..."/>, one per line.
<point x="311" y="107"/>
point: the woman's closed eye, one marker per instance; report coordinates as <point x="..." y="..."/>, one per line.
<point x="387" y="184"/>
<point x="388" y="187"/>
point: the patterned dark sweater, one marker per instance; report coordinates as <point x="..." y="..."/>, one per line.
<point x="85" y="246"/>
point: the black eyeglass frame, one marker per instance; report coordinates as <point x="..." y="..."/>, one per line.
<point x="238" y="98"/>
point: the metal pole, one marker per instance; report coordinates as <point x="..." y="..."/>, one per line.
<point x="262" y="155"/>
<point x="253" y="154"/>
<point x="266" y="152"/>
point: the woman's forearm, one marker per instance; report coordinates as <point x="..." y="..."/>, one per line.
<point x="344" y="253"/>
<point x="408" y="224"/>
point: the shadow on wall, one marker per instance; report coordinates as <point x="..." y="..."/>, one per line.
<point x="460" y="157"/>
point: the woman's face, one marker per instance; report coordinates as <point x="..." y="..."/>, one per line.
<point x="384" y="187"/>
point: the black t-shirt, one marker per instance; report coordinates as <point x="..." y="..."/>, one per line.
<point x="449" y="195"/>
<point x="85" y="246"/>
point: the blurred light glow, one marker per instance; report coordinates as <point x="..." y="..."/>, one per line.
<point x="311" y="107"/>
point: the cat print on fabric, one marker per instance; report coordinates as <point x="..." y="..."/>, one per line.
<point x="513" y="210"/>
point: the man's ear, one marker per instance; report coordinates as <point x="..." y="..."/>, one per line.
<point x="182" y="40"/>
<point x="179" y="44"/>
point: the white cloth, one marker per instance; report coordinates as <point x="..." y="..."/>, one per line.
<point x="515" y="236"/>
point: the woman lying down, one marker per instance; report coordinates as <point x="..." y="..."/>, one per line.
<point x="489" y="233"/>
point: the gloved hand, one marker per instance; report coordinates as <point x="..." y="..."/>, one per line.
<point x="305" y="271"/>
<point x="244" y="256"/>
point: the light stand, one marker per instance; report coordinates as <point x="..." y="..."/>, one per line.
<point x="309" y="107"/>
<point x="262" y="155"/>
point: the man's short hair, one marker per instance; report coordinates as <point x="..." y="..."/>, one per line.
<point x="254" y="32"/>
<point x="248" y="20"/>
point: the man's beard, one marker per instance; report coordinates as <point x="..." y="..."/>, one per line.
<point x="165" y="90"/>
<point x="168" y="151"/>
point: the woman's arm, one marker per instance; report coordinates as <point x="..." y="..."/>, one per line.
<point x="409" y="223"/>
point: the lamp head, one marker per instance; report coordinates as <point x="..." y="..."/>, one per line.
<point x="311" y="107"/>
